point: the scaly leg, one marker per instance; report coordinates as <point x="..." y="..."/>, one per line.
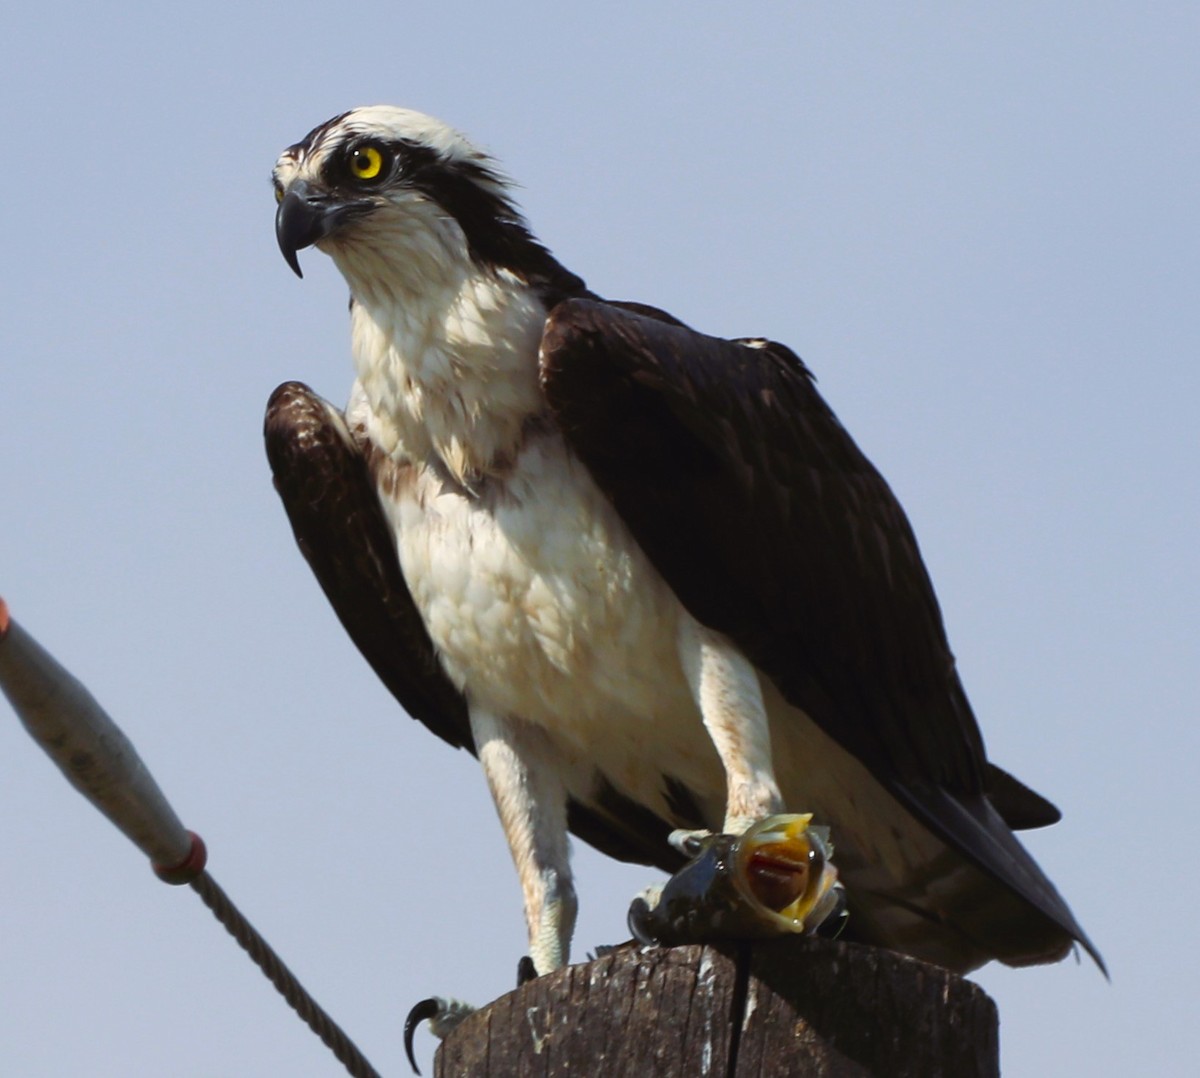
<point x="747" y="882"/>
<point x="726" y="690"/>
<point x="532" y="805"/>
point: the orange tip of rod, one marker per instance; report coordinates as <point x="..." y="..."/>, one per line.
<point x="3" y="618"/>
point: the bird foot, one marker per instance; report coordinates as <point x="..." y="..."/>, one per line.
<point x="443" y="1016"/>
<point x="773" y="879"/>
<point x="603" y="950"/>
<point x="689" y="843"/>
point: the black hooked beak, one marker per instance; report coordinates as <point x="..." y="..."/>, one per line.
<point x="305" y="216"/>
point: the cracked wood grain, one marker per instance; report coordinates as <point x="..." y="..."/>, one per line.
<point x="802" y="1007"/>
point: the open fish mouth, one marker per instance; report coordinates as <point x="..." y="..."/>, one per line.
<point x="776" y="878"/>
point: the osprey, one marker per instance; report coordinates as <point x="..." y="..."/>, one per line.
<point x="642" y="573"/>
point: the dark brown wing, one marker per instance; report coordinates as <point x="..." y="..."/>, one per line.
<point x="321" y="475"/>
<point x="771" y="526"/>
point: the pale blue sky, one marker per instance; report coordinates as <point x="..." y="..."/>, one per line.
<point x="980" y="229"/>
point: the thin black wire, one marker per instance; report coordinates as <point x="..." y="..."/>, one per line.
<point x="282" y="978"/>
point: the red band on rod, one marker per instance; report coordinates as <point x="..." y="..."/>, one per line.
<point x="187" y="869"/>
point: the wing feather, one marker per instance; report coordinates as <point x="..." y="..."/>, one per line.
<point x="771" y="526"/>
<point x="321" y="476"/>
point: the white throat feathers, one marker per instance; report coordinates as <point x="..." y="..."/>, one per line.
<point x="450" y="377"/>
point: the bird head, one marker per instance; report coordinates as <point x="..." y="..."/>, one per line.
<point x="394" y="195"/>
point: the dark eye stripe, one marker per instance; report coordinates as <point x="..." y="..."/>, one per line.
<point x="343" y="164"/>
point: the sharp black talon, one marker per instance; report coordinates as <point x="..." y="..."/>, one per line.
<point x="427" y="1008"/>
<point x="639" y="913"/>
<point x="526" y="971"/>
<point x="835" y="923"/>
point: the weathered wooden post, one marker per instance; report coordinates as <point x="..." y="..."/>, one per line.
<point x="799" y="1006"/>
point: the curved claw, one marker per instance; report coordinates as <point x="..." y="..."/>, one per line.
<point x="442" y="1014"/>
<point x="689" y="843"/>
<point x="427" y="1008"/>
<point x="774" y="879"/>
<point x="833" y="923"/>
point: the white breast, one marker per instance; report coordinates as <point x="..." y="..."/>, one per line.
<point x="541" y="605"/>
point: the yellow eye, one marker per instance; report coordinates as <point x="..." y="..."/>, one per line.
<point x="366" y="162"/>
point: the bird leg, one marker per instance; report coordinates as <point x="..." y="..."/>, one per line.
<point x="726" y="690"/>
<point x="767" y="873"/>
<point x="531" y="802"/>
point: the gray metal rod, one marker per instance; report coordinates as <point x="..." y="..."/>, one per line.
<point x="88" y="747"/>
